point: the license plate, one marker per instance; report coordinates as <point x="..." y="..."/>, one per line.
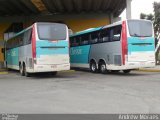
<point x="142" y="63"/>
<point x="54" y="66"/>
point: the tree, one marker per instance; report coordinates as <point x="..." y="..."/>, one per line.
<point x="143" y="16"/>
<point x="150" y="17"/>
<point x="156" y="6"/>
<point x="155" y="18"/>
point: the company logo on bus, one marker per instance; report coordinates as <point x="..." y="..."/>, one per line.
<point x="76" y="51"/>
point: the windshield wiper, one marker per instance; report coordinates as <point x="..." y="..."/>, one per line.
<point x="136" y="35"/>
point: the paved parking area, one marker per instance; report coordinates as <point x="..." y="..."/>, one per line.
<point x="80" y="92"/>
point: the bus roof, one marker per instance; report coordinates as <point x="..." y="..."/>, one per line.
<point x="95" y="29"/>
<point x="103" y="27"/>
<point x="19" y="33"/>
<point x="24" y="30"/>
<point x="86" y="31"/>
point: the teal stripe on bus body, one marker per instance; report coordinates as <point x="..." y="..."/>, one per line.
<point x="80" y="54"/>
<point x="47" y="47"/>
<point x="13" y="56"/>
<point x="133" y="47"/>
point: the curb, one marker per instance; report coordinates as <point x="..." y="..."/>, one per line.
<point x="149" y="70"/>
<point x="69" y="71"/>
<point x="3" y="73"/>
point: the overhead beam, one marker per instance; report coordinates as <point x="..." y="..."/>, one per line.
<point x="61" y="17"/>
<point x="30" y="6"/>
<point x="77" y="5"/>
<point x="87" y="5"/>
<point x="50" y="6"/>
<point x="8" y="7"/>
<point x="39" y="4"/>
<point x="19" y="5"/>
<point x="59" y="5"/>
<point x="68" y="5"/>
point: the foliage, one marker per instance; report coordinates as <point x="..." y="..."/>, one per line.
<point x="154" y="17"/>
<point x="156" y="6"/>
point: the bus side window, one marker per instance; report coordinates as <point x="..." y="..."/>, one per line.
<point x="85" y="39"/>
<point x="78" y="40"/>
<point x="94" y="37"/>
<point x="27" y="37"/>
<point x="116" y="33"/>
<point x="75" y="41"/>
<point x="20" y="39"/>
<point x="72" y="41"/>
<point x="105" y="35"/>
<point x="12" y="43"/>
<point x="16" y="42"/>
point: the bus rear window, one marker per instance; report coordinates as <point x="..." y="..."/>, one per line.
<point x="138" y="28"/>
<point x="52" y="31"/>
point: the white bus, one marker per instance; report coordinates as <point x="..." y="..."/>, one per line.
<point x="124" y="45"/>
<point x="43" y="47"/>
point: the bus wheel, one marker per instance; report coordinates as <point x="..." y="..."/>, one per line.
<point x="126" y="71"/>
<point x="21" y="70"/>
<point x="115" y="71"/>
<point x="7" y="68"/>
<point x="93" y="67"/>
<point x="25" y="71"/>
<point x="103" y="68"/>
<point x="54" y="73"/>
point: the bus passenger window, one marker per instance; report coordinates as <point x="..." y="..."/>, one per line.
<point x="105" y="35"/>
<point x="94" y="37"/>
<point x="85" y="39"/>
<point x="116" y="33"/>
<point x="71" y="41"/>
<point x="27" y="37"/>
<point x="75" y="41"/>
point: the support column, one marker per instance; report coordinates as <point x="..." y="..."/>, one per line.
<point x="128" y="9"/>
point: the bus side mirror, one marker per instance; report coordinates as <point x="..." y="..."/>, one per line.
<point x="2" y="50"/>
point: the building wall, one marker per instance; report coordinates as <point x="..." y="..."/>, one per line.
<point x="3" y="27"/>
<point x="82" y="24"/>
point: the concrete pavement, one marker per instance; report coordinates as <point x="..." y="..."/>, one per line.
<point x="154" y="69"/>
<point x="80" y="92"/>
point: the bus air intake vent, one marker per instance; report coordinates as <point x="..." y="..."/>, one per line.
<point x="117" y="59"/>
<point x="30" y="63"/>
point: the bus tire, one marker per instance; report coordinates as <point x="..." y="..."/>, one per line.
<point x="54" y="73"/>
<point x="21" y="70"/>
<point x="103" y="68"/>
<point x="126" y="71"/>
<point x="115" y="71"/>
<point x="93" y="67"/>
<point x="25" y="71"/>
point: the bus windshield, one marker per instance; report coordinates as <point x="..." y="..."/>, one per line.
<point x="138" y="28"/>
<point x="52" y="31"/>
